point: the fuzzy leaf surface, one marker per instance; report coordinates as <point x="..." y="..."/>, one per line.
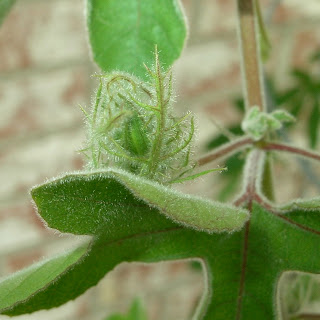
<point x="82" y="203"/>
<point x="123" y="34"/>
<point x="242" y="268"/>
<point x="23" y="284"/>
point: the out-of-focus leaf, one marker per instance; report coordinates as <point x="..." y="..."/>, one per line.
<point x="5" y="6"/>
<point x="123" y="34"/>
<point x="136" y="312"/>
<point x="265" y="44"/>
<point x="314" y="124"/>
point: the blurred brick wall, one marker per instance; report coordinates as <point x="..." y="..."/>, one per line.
<point x="45" y="71"/>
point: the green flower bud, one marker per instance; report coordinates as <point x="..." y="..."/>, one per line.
<point x="135" y="136"/>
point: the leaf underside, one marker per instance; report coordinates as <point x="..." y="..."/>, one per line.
<point x="123" y="34"/>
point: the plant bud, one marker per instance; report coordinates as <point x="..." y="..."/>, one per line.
<point x="135" y="136"/>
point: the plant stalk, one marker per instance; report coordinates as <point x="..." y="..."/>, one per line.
<point x="253" y="73"/>
<point x="250" y="55"/>
<point x="226" y="150"/>
<point x="273" y="146"/>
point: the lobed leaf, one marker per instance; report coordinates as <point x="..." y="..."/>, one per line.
<point x="242" y="268"/>
<point x="131" y="238"/>
<point x="123" y="34"/>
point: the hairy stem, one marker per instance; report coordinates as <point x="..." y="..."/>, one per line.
<point x="253" y="79"/>
<point x="250" y="53"/>
<point x="252" y="178"/>
<point x="161" y="122"/>
<point x="295" y="150"/>
<point x="267" y="178"/>
<point x="226" y="150"/>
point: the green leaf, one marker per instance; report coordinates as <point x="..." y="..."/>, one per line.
<point x="22" y="285"/>
<point x="136" y="312"/>
<point x="117" y="317"/>
<point x="314" y="124"/>
<point x="82" y="203"/>
<point x="123" y="34"/>
<point x="5" y="6"/>
<point x="283" y="116"/>
<point x="242" y="268"/>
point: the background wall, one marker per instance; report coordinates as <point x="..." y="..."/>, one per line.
<point x="45" y="72"/>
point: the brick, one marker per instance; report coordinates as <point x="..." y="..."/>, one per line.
<point x="37" y="160"/>
<point x="23" y="260"/>
<point x="216" y="17"/>
<point x="22" y="210"/>
<point x="285" y="13"/>
<point x="306" y="42"/>
<point x="310" y="8"/>
<point x="42" y="102"/>
<point x="16" y="233"/>
<point x="42" y="33"/>
<point x="207" y="68"/>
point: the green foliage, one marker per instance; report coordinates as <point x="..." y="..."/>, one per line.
<point x="123" y="33"/>
<point x="136" y="148"/>
<point x="136" y="312"/>
<point x="303" y="97"/>
<point x="5" y="6"/>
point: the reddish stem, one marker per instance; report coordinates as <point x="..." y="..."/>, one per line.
<point x="251" y="174"/>
<point x="225" y="150"/>
<point x="291" y="149"/>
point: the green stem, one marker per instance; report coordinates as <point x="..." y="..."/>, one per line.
<point x="251" y="64"/>
<point x="161" y="122"/>
<point x="95" y="157"/>
<point x="267" y="178"/>
<point x="273" y="146"/>
<point x="252" y="74"/>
